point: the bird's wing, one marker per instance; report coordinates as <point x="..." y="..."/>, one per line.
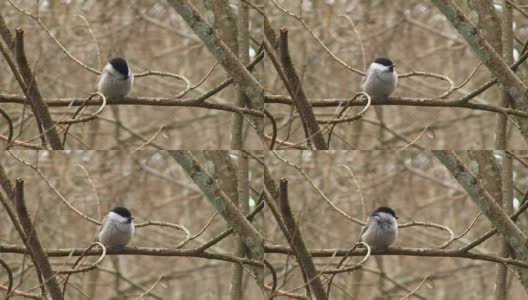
<point x="103" y="223"/>
<point x="366" y="75"/>
<point x="364" y="229"/>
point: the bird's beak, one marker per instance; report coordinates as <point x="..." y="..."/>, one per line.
<point x="397" y="217"/>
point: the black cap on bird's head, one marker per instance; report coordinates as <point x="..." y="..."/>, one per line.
<point x="123" y="212"/>
<point x="385" y="62"/>
<point x="386" y="210"/>
<point x="120" y="65"/>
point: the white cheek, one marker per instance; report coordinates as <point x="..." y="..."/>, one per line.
<point x="378" y="67"/>
<point x="117" y="217"/>
<point x="112" y="71"/>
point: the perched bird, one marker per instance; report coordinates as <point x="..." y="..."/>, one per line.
<point x="117" y="228"/>
<point x="381" y="79"/>
<point x="381" y="229"/>
<point x="116" y="80"/>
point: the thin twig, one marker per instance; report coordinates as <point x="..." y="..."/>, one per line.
<point x="9" y="278"/>
<point x="10" y="127"/>
<point x="171" y="225"/>
<point x="150" y="289"/>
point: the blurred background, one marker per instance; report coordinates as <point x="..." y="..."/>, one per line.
<point x="416" y="37"/>
<point x="154" y="187"/>
<point x="151" y="36"/>
<point x="419" y="188"/>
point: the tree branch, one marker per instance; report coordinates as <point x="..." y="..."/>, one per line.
<point x="39" y="107"/>
<point x="38" y="255"/>
<point x="301" y="102"/>
<point x="505" y="76"/>
<point x="242" y="77"/>
<point x="473" y="186"/>
<point x="249" y="235"/>
<point x="301" y="252"/>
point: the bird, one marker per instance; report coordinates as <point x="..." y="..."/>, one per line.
<point x="381" y="79"/>
<point x="381" y="229"/>
<point x="116" y="79"/>
<point x="117" y="228"/>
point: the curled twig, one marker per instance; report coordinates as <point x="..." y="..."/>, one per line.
<point x="433" y="225"/>
<point x="167" y="74"/>
<point x="452" y="86"/>
<point x="171" y="225"/>
<point x="87" y="268"/>
<point x="83" y="269"/>
<point x="342" y="112"/>
<point x="349" y="269"/>
<point x="83" y="119"/>
<point x="86" y="118"/>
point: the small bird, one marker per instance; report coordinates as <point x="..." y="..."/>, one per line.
<point x="116" y="80"/>
<point x="381" y="79"/>
<point x="381" y="229"/>
<point x="117" y="228"/>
